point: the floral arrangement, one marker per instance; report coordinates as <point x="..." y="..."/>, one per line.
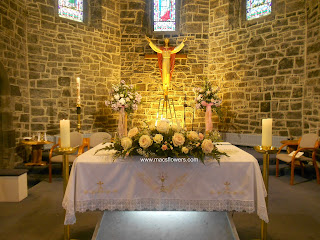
<point x="208" y="95"/>
<point x="166" y="141"/>
<point x="124" y="96"/>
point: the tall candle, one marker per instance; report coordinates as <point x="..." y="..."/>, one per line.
<point x="65" y="133"/>
<point x="78" y="91"/>
<point x="266" y="132"/>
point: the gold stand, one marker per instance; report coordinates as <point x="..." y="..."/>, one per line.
<point x="79" y="119"/>
<point x="266" y="151"/>
<point x="65" y="171"/>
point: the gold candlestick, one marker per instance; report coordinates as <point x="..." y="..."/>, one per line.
<point x="266" y="151"/>
<point x="65" y="171"/>
<point x="79" y="117"/>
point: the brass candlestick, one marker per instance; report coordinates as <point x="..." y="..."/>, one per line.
<point x="65" y="171"/>
<point x="266" y="151"/>
<point x="79" y="119"/>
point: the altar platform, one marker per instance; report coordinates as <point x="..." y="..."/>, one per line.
<point x="146" y="225"/>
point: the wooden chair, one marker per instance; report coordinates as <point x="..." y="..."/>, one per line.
<point x="97" y="138"/>
<point x="308" y="142"/>
<point x="76" y="139"/>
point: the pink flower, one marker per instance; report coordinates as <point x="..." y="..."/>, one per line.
<point x="201" y="136"/>
<point x="164" y="147"/>
<point x="203" y="103"/>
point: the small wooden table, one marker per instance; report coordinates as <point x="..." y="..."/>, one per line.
<point x="36" y="152"/>
<point x="292" y="145"/>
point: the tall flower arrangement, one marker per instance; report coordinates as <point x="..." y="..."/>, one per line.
<point x="166" y="141"/>
<point x="124" y="99"/>
<point x="207" y="98"/>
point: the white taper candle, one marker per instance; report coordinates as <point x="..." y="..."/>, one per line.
<point x="78" y="91"/>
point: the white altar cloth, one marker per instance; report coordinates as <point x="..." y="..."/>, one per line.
<point x="98" y="182"/>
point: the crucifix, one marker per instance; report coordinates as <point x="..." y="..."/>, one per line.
<point x="166" y="57"/>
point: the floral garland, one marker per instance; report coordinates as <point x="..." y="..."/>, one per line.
<point x="208" y="95"/>
<point x="124" y="96"/>
<point x="166" y="141"/>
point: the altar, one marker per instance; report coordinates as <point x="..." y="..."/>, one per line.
<point x="134" y="184"/>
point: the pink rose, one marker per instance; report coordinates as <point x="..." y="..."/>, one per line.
<point x="164" y="147"/>
<point x="201" y="136"/>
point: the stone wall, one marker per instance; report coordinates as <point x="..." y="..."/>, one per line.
<point x="260" y="66"/>
<point x="311" y="103"/>
<point x="60" y="50"/>
<point x="13" y="56"/>
<point x="14" y="94"/>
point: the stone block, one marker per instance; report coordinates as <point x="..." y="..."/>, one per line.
<point x="13" y="185"/>
<point x="15" y="90"/>
<point x="267" y="71"/>
<point x="256" y="41"/>
<point x="264" y="106"/>
<point x="285" y="63"/>
<point x="64" y="81"/>
<point x="39" y="93"/>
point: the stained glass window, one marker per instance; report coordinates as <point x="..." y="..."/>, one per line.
<point x="71" y="9"/>
<point x="164" y="15"/>
<point x="258" y="8"/>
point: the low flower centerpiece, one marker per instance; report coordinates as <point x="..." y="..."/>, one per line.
<point x="166" y="141"/>
<point x="124" y="99"/>
<point x="207" y="98"/>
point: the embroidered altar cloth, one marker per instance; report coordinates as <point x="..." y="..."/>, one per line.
<point x="98" y="182"/>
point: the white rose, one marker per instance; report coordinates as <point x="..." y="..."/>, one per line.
<point x="207" y="146"/>
<point x="121" y="95"/>
<point x="122" y="101"/>
<point x="127" y="99"/>
<point x="193" y="136"/>
<point x="132" y="132"/>
<point x="158" y="138"/>
<point x="130" y="97"/>
<point x="178" y="139"/>
<point x="145" y="141"/>
<point x="163" y="126"/>
<point x="126" y="143"/>
<point x="116" y="97"/>
<point x="185" y="150"/>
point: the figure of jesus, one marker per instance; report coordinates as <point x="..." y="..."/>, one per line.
<point x="166" y="58"/>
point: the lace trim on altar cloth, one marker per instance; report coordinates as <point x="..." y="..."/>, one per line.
<point x="161" y="205"/>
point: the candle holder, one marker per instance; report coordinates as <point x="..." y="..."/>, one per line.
<point x="266" y="151"/>
<point x="65" y="171"/>
<point x="79" y="117"/>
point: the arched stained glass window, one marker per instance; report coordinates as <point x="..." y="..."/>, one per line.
<point x="164" y="15"/>
<point x="71" y="9"/>
<point x="258" y="8"/>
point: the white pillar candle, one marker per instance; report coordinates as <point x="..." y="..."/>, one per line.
<point x="266" y="132"/>
<point x="78" y="91"/>
<point x="65" y="133"/>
